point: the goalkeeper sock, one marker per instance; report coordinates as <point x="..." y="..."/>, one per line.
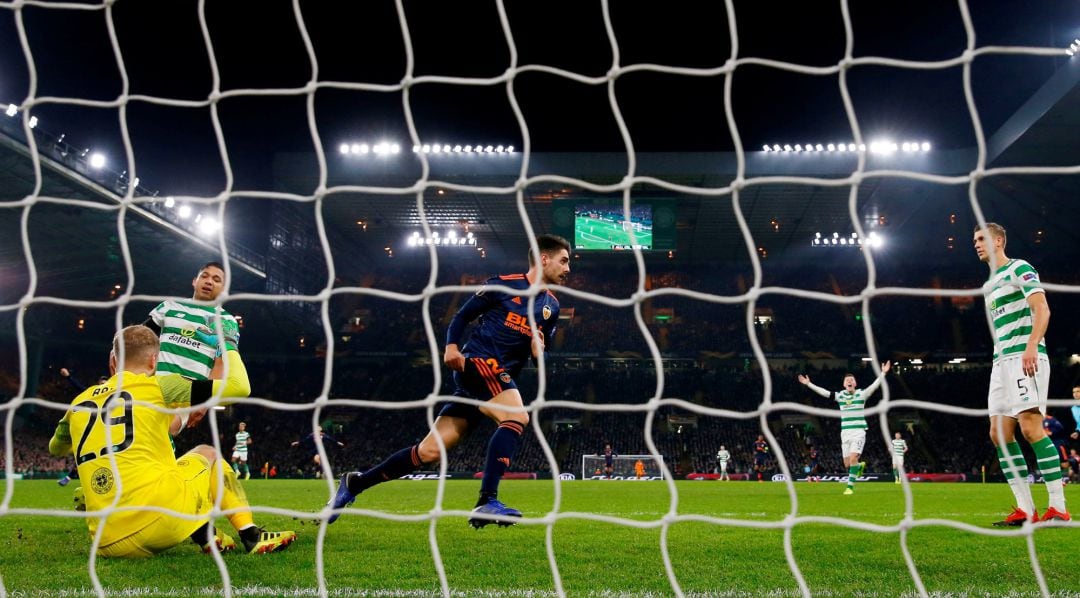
<point x="1049" y="462"/>
<point x="501" y="448"/>
<point x="852" y="473"/>
<point x="232" y="497"/>
<point x="1015" y="469"/>
<point x="407" y="460"/>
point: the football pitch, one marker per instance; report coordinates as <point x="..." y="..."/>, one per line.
<point x="371" y="555"/>
<point x="590" y="233"/>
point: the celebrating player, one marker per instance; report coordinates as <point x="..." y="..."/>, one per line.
<point x="853" y="426"/>
<point x="240" y="451"/>
<point x="761" y="456"/>
<point x="722" y="458"/>
<point x="485" y="370"/>
<point x="899" y="448"/>
<point x="308" y="444"/>
<point x="813" y="466"/>
<point x="1020" y="376"/>
<point x="609" y="460"/>
<point x="122" y="420"/>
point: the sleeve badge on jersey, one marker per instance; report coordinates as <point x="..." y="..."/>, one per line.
<point x="547" y="312"/>
<point x="505" y="377"/>
<point x="1031" y="276"/>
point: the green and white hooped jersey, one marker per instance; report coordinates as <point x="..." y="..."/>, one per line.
<point x="898" y="447"/>
<point x="1013" y="283"/>
<point x="242" y="442"/>
<point x="723" y="456"/>
<point x="189" y="339"/>
<point x="851" y="409"/>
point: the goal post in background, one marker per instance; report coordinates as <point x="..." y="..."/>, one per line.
<point x="623" y="467"/>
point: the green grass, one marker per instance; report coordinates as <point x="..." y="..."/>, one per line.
<point x="599" y="234"/>
<point x="41" y="555"/>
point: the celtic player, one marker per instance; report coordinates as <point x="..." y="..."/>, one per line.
<point x="853" y="426"/>
<point x="722" y="458"/>
<point x="240" y="451"/>
<point x="1020" y="376"/>
<point x="899" y="447"/>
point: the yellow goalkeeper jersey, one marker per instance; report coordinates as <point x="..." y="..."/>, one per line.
<point x="146" y="471"/>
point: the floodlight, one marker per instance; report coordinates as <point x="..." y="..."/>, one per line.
<point x="395" y="149"/>
<point x="355" y="148"/>
<point x="364" y="148"/>
<point x="209" y="226"/>
<point x="831" y="147"/>
<point x="467" y="149"/>
<point x="170" y="202"/>
<point x="97" y="160"/>
<point x="33" y="122"/>
<point x="925" y="146"/>
<point x="12" y="110"/>
<point x="765" y="148"/>
<point x="787" y="148"/>
<point x="426" y="149"/>
<point x="184" y="211"/>
<point x="416" y="149"/>
<point x="817" y="235"/>
<point x="343" y="148"/>
<point x="819" y="147"/>
<point x="457" y="149"/>
<point x="775" y="147"/>
<point x="851" y="147"/>
<point x="509" y="149"/>
<point x="436" y="148"/>
<point x="499" y="149"/>
<point x="488" y="149"/>
<point x="379" y="148"/>
<point x="798" y="147"/>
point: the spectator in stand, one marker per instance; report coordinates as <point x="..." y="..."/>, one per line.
<point x="1074" y="466"/>
<point x="1076" y="413"/>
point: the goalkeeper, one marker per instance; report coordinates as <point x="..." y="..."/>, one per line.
<point x="124" y="418"/>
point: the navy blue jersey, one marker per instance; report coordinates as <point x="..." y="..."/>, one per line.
<point x="761" y="447"/>
<point x="308" y="442"/>
<point x="503" y="333"/>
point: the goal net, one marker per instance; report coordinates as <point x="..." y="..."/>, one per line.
<point x="343" y="393"/>
<point x="623" y="467"/>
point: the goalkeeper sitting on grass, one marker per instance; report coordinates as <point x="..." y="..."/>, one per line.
<point x="124" y="418"/>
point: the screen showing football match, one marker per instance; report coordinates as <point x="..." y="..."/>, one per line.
<point x="599" y="226"/>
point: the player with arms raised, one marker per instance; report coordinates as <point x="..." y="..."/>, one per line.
<point x="125" y="418"/>
<point x="1020" y="377"/>
<point x="853" y="425"/>
<point x="609" y="460"/>
<point x="484" y="370"/>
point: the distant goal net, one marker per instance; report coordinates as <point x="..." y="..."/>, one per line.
<point x="623" y="467"/>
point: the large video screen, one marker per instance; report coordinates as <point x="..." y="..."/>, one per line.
<point x="606" y="227"/>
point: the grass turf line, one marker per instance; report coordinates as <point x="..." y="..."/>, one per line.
<point x="48" y="555"/>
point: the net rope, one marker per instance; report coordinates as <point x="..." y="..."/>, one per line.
<point x="130" y="203"/>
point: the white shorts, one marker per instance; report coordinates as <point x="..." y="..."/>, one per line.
<point x="239" y="455"/>
<point x="897" y="462"/>
<point x="723" y="466"/>
<point x="852" y="441"/>
<point x="1012" y="392"/>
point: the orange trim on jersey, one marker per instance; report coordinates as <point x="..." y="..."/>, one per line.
<point x="513" y="426"/>
<point x="487" y="375"/>
<point x="552" y="295"/>
<point x="414" y="454"/>
<point x="511" y="276"/>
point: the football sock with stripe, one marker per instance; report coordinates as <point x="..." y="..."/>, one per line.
<point x="1015" y="469"/>
<point x="852" y="473"/>
<point x="407" y="460"/>
<point x="1049" y="462"/>
<point x="502" y="446"/>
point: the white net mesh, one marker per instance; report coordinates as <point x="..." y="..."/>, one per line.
<point x="131" y="201"/>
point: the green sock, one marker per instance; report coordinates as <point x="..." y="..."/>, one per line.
<point x="852" y="473"/>
<point x="1048" y="459"/>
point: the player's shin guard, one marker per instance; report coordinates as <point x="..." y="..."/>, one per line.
<point x="501" y="449"/>
<point x="1046" y="454"/>
<point x="232" y="497"/>
<point x="1015" y="469"/>
<point x="407" y="460"/>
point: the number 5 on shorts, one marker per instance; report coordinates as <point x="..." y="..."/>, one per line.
<point x="1022" y="387"/>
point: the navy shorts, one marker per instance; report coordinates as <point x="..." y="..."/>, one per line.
<point x="482" y="379"/>
<point x="760" y="459"/>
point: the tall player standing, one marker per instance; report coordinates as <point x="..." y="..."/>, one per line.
<point x="484" y="370"/>
<point x="899" y="449"/>
<point x="853" y="425"/>
<point x="240" y="451"/>
<point x="1020" y="377"/>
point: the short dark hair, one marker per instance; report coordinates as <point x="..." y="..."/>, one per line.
<point x="849" y="374"/>
<point x="549" y="244"/>
<point x="211" y="265"/>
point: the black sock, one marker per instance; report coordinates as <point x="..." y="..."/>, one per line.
<point x="501" y="447"/>
<point x="200" y="535"/>
<point x="407" y="460"/>
<point x="250" y="536"/>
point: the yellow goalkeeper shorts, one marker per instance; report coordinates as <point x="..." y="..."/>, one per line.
<point x="186" y="491"/>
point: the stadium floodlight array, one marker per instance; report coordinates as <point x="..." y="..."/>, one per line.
<point x="1073" y="48"/>
<point x="854" y="240"/>
<point x="883" y="146"/>
<point x="387" y="148"/>
<point x="13" y="110"/>
<point x="664" y="522"/>
<point x="450" y="239"/>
